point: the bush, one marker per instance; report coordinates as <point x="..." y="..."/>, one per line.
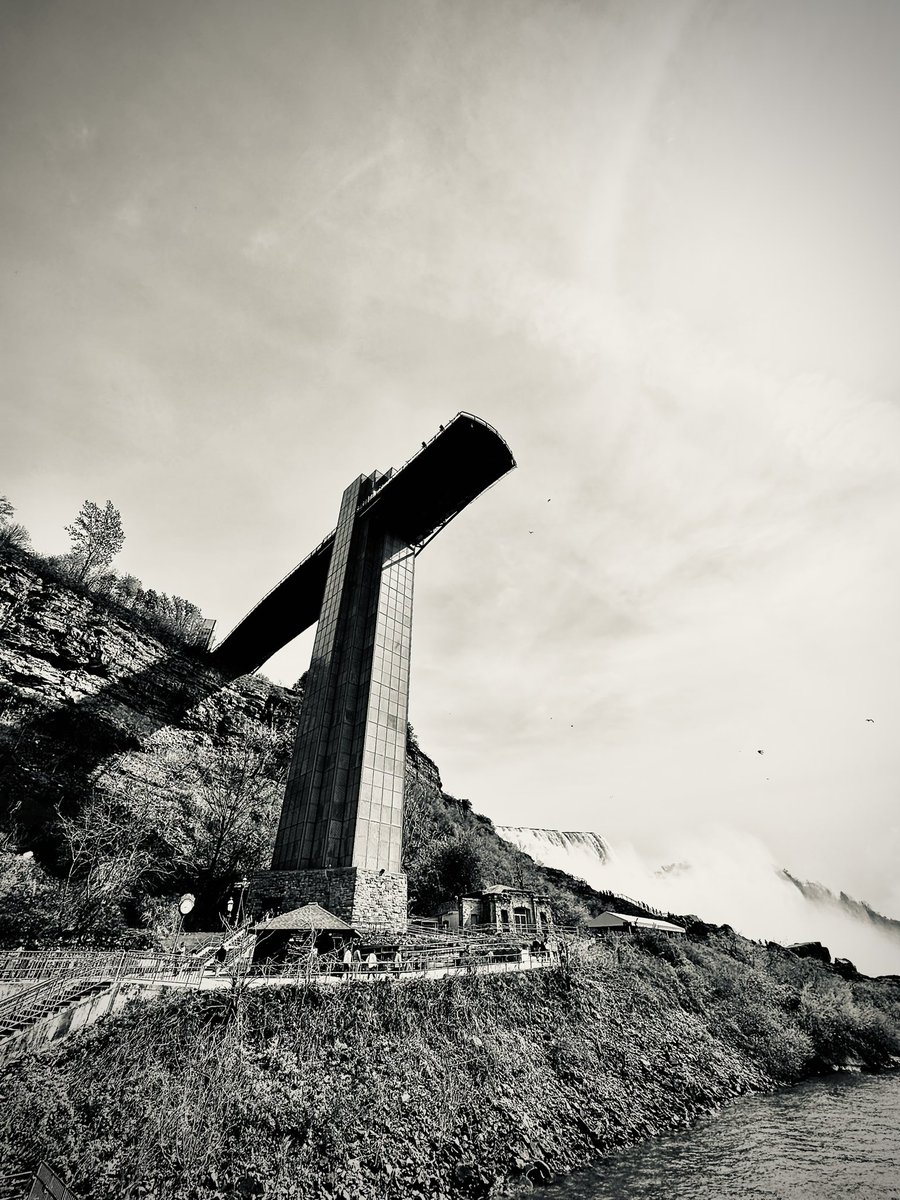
<point x="13" y="537"/>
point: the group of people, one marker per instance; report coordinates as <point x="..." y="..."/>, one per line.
<point x="353" y="961"/>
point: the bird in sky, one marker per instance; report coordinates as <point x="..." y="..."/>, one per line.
<point x="871" y="720"/>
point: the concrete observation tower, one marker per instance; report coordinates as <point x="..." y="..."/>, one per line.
<point x="340" y="835"/>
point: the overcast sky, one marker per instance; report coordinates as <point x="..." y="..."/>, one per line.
<point x="252" y="250"/>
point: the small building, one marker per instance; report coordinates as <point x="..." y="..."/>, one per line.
<point x="306" y="927"/>
<point x="613" y="922"/>
<point x="502" y="908"/>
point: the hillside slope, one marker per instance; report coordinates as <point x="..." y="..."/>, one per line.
<point x="433" y="1089"/>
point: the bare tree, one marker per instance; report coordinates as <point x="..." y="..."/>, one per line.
<point x="107" y="854"/>
<point x="232" y="810"/>
<point x="13" y="536"/>
<point x="97" y="536"/>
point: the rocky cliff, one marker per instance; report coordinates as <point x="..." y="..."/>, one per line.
<point x="84" y="689"/>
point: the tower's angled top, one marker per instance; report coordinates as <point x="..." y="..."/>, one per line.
<point x="463" y="459"/>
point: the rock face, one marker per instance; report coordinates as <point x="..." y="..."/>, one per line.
<point x="421" y="769"/>
<point x="85" y="690"/>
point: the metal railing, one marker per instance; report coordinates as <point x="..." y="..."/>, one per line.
<point x="54" y="978"/>
<point x="16" y="1186"/>
<point x="42" y="999"/>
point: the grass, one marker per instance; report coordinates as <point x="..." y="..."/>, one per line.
<point x="432" y="1089"/>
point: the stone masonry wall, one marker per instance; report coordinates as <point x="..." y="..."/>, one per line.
<point x="356" y="895"/>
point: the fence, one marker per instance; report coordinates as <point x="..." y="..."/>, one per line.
<point x="91" y="966"/>
<point x="34" y="973"/>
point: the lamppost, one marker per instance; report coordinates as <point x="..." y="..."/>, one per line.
<point x="185" y="905"/>
<point x="242" y="884"/>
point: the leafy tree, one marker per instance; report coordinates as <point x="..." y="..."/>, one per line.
<point x="453" y="869"/>
<point x="104" y="583"/>
<point x="129" y="589"/>
<point x="6" y="510"/>
<point x="186" y="617"/>
<point x="97" y="536"/>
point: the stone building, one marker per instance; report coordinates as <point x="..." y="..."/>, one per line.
<point x="502" y="908"/>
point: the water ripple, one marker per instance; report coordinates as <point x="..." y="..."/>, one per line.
<point x="829" y="1140"/>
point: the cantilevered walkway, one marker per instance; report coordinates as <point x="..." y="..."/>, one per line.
<point x="461" y="461"/>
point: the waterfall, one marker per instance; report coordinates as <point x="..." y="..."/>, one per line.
<point x="727" y="877"/>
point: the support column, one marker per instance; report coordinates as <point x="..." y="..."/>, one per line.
<point x="341" y="829"/>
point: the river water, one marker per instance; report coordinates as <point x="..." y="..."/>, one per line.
<point x="826" y="1140"/>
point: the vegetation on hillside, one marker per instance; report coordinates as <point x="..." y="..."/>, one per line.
<point x="97" y="536"/>
<point x="449" y="849"/>
<point x="431" y="1089"/>
<point x="122" y="855"/>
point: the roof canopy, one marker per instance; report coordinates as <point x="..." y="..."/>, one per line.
<point x="309" y="917"/>
<point x="613" y="920"/>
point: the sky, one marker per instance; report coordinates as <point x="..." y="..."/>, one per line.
<point x="251" y="251"/>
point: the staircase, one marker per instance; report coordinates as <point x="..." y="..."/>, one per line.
<point x="42" y="1184"/>
<point x="34" y="1004"/>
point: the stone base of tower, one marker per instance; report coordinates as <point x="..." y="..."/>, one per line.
<point x="356" y="895"/>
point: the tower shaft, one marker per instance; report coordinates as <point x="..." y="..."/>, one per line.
<point x="343" y="804"/>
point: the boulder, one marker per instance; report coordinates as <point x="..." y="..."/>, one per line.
<point x="846" y="969"/>
<point x="811" y="950"/>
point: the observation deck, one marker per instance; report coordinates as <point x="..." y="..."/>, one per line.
<point x="462" y="460"/>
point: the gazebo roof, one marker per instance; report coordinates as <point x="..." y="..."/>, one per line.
<point x="307" y="917"/>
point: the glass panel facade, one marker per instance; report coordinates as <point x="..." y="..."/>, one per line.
<point x="380" y="814"/>
<point x="344" y="798"/>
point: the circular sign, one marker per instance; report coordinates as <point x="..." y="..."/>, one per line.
<point x="186" y="903"/>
